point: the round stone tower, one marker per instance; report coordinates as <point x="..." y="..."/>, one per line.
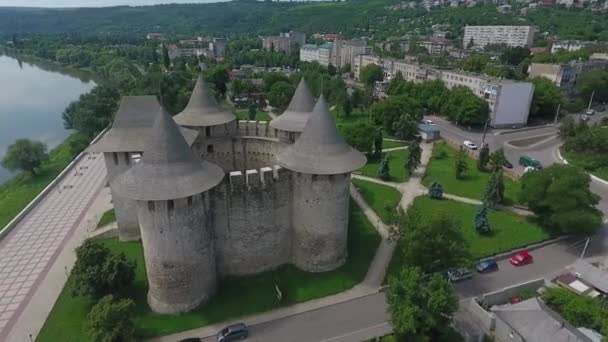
<point x="203" y="113"/>
<point x="322" y="162"/>
<point x="171" y="187"/>
<point x="290" y="124"/>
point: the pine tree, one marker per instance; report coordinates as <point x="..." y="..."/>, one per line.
<point x="384" y="169"/>
<point x="497" y="160"/>
<point x="436" y="191"/>
<point x="378" y="141"/>
<point x="413" y="158"/>
<point x="484" y="157"/>
<point x="166" y="59"/>
<point x="460" y="163"/>
<point x="482" y="224"/>
<point x="495" y="189"/>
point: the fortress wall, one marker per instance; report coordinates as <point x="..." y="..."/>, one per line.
<point x="320" y="221"/>
<point x="252" y="226"/>
<point x="126" y="209"/>
<point x="179" y="252"/>
<point x="240" y="153"/>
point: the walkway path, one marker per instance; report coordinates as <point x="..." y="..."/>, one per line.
<point x="31" y="248"/>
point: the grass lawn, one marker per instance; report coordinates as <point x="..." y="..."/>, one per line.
<point x="107" y="218"/>
<point x="16" y="193"/>
<point x="259" y="116"/>
<point x="396" y="163"/>
<point x="392" y="144"/>
<point x="381" y="198"/>
<point x="510" y="231"/>
<point x="237" y="297"/>
<point x="472" y="185"/>
<point x="585" y="162"/>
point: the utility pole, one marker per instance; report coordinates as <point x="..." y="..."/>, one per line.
<point x="591" y="100"/>
<point x="557" y="113"/>
<point x="485" y="129"/>
<point x="585" y="248"/>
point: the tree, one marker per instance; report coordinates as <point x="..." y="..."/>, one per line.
<point x="497" y="160"/>
<point x="280" y="94"/>
<point x="384" y="169"/>
<point x="560" y="196"/>
<point x="515" y="55"/>
<point x="347" y="107"/>
<point x="547" y="97"/>
<point x="434" y="244"/>
<point x="460" y="163"/>
<point x="97" y="272"/>
<point x="93" y="111"/>
<point x="484" y="156"/>
<point x="595" y="82"/>
<point x="358" y="135"/>
<point x="218" y="76"/>
<point x="465" y="108"/>
<point x="405" y="127"/>
<point x="436" y="191"/>
<point x="413" y="157"/>
<point x="252" y="111"/>
<point x="395" y="108"/>
<point x="482" y="224"/>
<point x="110" y="320"/>
<point x="495" y="190"/>
<point x="378" y="141"/>
<point x="567" y="128"/>
<point x="471" y="43"/>
<point x="371" y="73"/>
<point x="25" y="155"/>
<point x="166" y="59"/>
<point x="420" y="305"/>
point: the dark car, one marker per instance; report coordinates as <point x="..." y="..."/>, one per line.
<point x="233" y="332"/>
<point x="458" y="274"/>
<point x="507" y="164"/>
<point x="487" y="265"/>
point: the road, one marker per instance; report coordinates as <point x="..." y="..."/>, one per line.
<point x="355" y="320"/>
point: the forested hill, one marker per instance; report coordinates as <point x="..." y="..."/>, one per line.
<point x="236" y="16"/>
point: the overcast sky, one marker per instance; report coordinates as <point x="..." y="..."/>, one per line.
<point x="92" y="3"/>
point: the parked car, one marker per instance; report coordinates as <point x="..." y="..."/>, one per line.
<point x="521" y="258"/>
<point x="487" y="265"/>
<point x="233" y="332"/>
<point x="527" y="161"/>
<point x="590" y="112"/>
<point x="428" y="122"/>
<point x="529" y="169"/>
<point x="507" y="164"/>
<point x="458" y="274"/>
<point x="469" y="144"/>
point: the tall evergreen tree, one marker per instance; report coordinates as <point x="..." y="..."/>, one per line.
<point x="497" y="160"/>
<point x="384" y="169"/>
<point x="460" y="163"/>
<point x="413" y="158"/>
<point x="482" y="224"/>
<point x="484" y="157"/>
<point x="436" y="191"/>
<point x="495" y="190"/>
<point x="378" y="141"/>
<point x="166" y="59"/>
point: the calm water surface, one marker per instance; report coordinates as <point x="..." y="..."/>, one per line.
<point x="32" y="98"/>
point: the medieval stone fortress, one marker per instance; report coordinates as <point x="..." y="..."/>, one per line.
<point x="211" y="196"/>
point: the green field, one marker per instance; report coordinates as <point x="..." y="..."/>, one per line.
<point x="381" y="198"/>
<point x="392" y="144"/>
<point x="107" y="218"/>
<point x="509" y="231"/>
<point x="586" y="163"/>
<point x="396" y="163"/>
<point x="20" y="190"/>
<point x="236" y="297"/>
<point x="472" y="185"/>
<point x="259" y="116"/>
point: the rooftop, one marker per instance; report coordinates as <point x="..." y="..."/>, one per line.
<point x="296" y="115"/>
<point x="202" y="109"/>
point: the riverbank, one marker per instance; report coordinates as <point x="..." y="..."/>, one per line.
<point x="17" y="192"/>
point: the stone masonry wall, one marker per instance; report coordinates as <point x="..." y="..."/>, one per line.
<point x="320" y="221"/>
<point x="179" y="252"/>
<point x="239" y="153"/>
<point x="252" y="226"/>
<point x="126" y="209"/>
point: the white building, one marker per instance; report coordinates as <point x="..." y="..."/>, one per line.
<point x="569" y="45"/>
<point x="323" y="54"/>
<point x="509" y="101"/>
<point x="348" y="50"/>
<point x="509" y="35"/>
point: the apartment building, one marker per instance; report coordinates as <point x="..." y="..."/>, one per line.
<point x="348" y="50"/>
<point x="510" y="35"/>
<point x="436" y="45"/>
<point x="287" y="42"/>
<point x="509" y="101"/>
<point x="323" y="54"/>
<point x="566" y="75"/>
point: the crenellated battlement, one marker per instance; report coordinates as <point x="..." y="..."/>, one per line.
<point x="255" y="179"/>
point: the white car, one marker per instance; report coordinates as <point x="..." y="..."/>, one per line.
<point x="469" y="144"/>
<point x="590" y="112"/>
<point x="530" y="169"/>
<point x="428" y="122"/>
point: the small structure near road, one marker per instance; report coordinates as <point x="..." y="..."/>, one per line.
<point x="428" y="132"/>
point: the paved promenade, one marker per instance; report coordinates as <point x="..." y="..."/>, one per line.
<point x="31" y="248"/>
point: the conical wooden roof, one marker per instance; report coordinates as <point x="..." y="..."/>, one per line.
<point x="168" y="168"/>
<point x="296" y="115"/>
<point x="202" y="109"/>
<point x="321" y="150"/>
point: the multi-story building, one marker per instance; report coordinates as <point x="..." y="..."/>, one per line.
<point x="323" y="54"/>
<point x="566" y="75"/>
<point x="287" y="42"/>
<point x="508" y="35"/>
<point x="435" y="46"/>
<point x="509" y="101"/>
<point x="218" y="46"/>
<point x="348" y="50"/>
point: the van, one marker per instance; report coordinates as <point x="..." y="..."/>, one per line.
<point x="529" y="162"/>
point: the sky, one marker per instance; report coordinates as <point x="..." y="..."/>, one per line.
<point x="92" y="3"/>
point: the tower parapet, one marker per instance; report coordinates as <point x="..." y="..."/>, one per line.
<point x="291" y="123"/>
<point x="171" y="187"/>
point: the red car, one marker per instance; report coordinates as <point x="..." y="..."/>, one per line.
<point x="521" y="258"/>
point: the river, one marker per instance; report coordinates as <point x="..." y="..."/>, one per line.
<point x="33" y="95"/>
